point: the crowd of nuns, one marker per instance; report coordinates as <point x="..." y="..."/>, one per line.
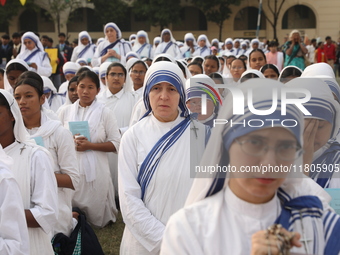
<point x="137" y="124"/>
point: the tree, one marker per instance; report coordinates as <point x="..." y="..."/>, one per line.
<point x="10" y="9"/>
<point x="158" y="12"/>
<point x="216" y="11"/>
<point x="57" y="7"/>
<point x="110" y="10"/>
<point x="275" y="11"/>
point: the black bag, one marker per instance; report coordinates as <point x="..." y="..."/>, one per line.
<point x="82" y="241"/>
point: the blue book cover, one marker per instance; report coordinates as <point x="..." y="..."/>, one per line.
<point x="80" y="127"/>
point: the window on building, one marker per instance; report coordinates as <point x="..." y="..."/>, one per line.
<point x="299" y="16"/>
<point x="191" y="19"/>
<point x="32" y="25"/>
<point x="246" y="19"/>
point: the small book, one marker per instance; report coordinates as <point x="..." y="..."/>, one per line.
<point x="39" y="141"/>
<point x="335" y="202"/>
<point x="80" y="127"/>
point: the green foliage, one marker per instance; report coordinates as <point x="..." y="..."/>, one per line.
<point x="216" y="11"/>
<point x="158" y="12"/>
<point x="10" y="9"/>
<point x="110" y="10"/>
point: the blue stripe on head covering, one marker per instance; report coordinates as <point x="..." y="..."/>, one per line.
<point x="68" y="71"/>
<point x="238" y="130"/>
<point x="165" y="76"/>
<point x="115" y="27"/>
<point x="84" y="36"/>
<point x="31" y="38"/>
<point x="321" y="108"/>
<point x="334" y="87"/>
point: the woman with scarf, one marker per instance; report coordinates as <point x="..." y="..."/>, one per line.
<point x="154" y="160"/>
<point x="198" y="86"/>
<point x="33" y="53"/>
<point x="325" y="115"/>
<point x="14" y="68"/>
<point x="203" y="48"/>
<point x="295" y="51"/>
<point x="168" y="45"/>
<point x="95" y="195"/>
<point x="85" y="48"/>
<point x="113" y="48"/>
<point x="33" y="172"/>
<point x="190" y="45"/>
<point x="142" y="46"/>
<point x="254" y="212"/>
<point x="55" y="138"/>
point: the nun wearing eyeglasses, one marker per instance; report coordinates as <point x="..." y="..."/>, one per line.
<point x="142" y="45"/>
<point x="85" y="48"/>
<point x="325" y="118"/>
<point x="113" y="48"/>
<point x="254" y="212"/>
<point x="168" y="45"/>
<point x="33" y="53"/>
<point x="154" y="160"/>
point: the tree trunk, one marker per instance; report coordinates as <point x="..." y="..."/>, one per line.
<point x="220" y="31"/>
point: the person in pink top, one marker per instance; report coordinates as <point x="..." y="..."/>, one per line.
<point x="274" y="56"/>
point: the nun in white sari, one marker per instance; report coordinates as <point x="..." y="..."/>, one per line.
<point x="154" y="160"/>
<point x="142" y="45"/>
<point x="203" y="48"/>
<point x="228" y="212"/>
<point x="168" y="45"/>
<point x="85" y="48"/>
<point x="113" y="48"/>
<point x="13" y="228"/>
<point x="33" y="53"/>
<point x="33" y="171"/>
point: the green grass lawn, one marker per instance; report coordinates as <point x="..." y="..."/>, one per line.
<point x="111" y="236"/>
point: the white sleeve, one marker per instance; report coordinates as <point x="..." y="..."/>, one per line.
<point x="14" y="238"/>
<point x="44" y="193"/>
<point x="111" y="128"/>
<point x="179" y="237"/>
<point x="74" y="55"/>
<point x="178" y="52"/>
<point x="138" y="219"/>
<point x="97" y="59"/>
<point x="157" y="50"/>
<point x="67" y="159"/>
<point x="45" y="69"/>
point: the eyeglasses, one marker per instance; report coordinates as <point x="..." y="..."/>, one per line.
<point x="286" y="151"/>
<point x="237" y="68"/>
<point x="119" y="75"/>
<point x="135" y="72"/>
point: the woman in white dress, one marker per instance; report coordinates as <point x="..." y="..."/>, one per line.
<point x="95" y="195"/>
<point x="154" y="160"/>
<point x="33" y="171"/>
<point x="14" y="238"/>
<point x="56" y="139"/>
<point x="85" y="48"/>
<point x="233" y="212"/>
<point x="168" y="45"/>
<point x="33" y="53"/>
<point x="113" y="48"/>
<point x="142" y="46"/>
